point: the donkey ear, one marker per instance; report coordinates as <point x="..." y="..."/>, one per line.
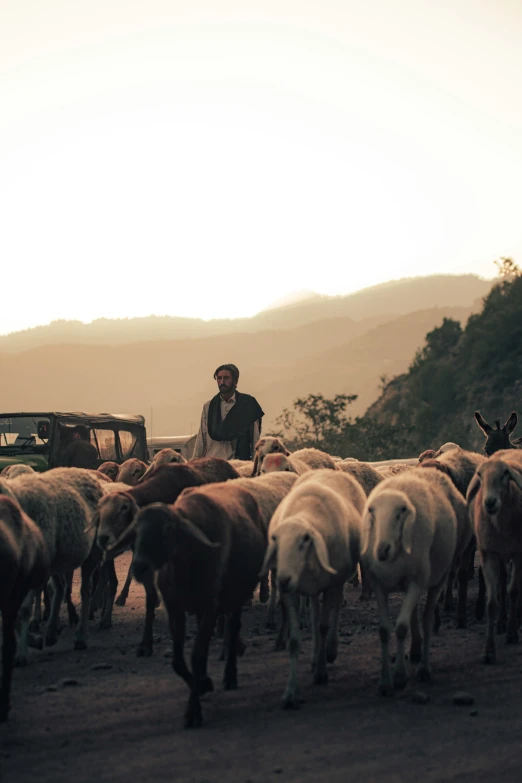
<point x="511" y="423"/>
<point x="484" y="426"/>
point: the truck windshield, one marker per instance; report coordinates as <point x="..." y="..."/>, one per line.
<point x="20" y="433"/>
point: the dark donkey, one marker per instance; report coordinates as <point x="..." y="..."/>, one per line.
<point x="498" y="438"/>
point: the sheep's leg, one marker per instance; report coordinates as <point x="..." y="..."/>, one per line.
<point x="8" y="655"/>
<point x="502" y="597"/>
<point x="402" y="626"/>
<point x="332" y="641"/>
<point x="89" y="565"/>
<point x="72" y="614"/>
<point x="289" y="696"/>
<point x="436" y="618"/>
<point x="424" y="670"/>
<point x="122" y="598"/>
<point x="177" y="621"/>
<point x="264" y="590"/>
<point x="144" y="649"/>
<point x="304" y="619"/>
<point x="481" y="597"/>
<point x="272" y="604"/>
<point x="234" y="627"/>
<point x="463" y="578"/>
<point x="321" y="672"/>
<point x="51" y="634"/>
<point x="36" y="621"/>
<point x="201" y="683"/>
<point x="23" y="620"/>
<point x="315" y="611"/>
<point x="416" y="639"/>
<point x="448" y="592"/>
<point x="110" y="593"/>
<point x="280" y="642"/>
<point x="490" y="567"/>
<point x="366" y="589"/>
<point x="513" y="592"/>
<point x="385" y="629"/>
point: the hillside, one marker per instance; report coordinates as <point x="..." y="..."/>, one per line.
<point x="458" y="372"/>
<point x="172" y="378"/>
<point x="383" y="301"/>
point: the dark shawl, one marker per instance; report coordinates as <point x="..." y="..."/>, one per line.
<point x="237" y="423"/>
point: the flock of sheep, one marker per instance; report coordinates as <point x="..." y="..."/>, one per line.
<point x="206" y="532"/>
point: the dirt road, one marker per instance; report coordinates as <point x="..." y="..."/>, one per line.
<point x="123" y="720"/>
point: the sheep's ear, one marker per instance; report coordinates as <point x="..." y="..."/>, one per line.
<point x="193" y="530"/>
<point x="515" y="476"/>
<point x="95" y="521"/>
<point x="407" y="530"/>
<point x="123" y="535"/>
<point x="322" y="552"/>
<point x="283" y="448"/>
<point x="484" y="426"/>
<point x="473" y="488"/>
<point x="270" y="559"/>
<point x="256" y="463"/>
<point x="5" y="490"/>
<point x="511" y="423"/>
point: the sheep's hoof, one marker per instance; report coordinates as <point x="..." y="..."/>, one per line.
<point x="121" y="600"/>
<point x="51" y="639"/>
<point x="35" y="641"/>
<point x="105" y="623"/>
<point x="193" y="717"/>
<point x="289" y="702"/>
<point x="80" y="644"/>
<point x="424" y="673"/>
<point x="400" y="680"/>
<point x="501" y="626"/>
<point x="385" y="689"/>
<point x="205" y="685"/>
<point x="512" y="637"/>
<point x="489" y="657"/>
<point x="321" y="678"/>
<point x="144" y="650"/>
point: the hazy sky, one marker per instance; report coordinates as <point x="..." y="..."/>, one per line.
<point x="206" y="158"/>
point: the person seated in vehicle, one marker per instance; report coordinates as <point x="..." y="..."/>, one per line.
<point x="80" y="453"/>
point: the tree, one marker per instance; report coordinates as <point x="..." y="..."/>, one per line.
<point x="315" y="420"/>
<point x="507" y="269"/>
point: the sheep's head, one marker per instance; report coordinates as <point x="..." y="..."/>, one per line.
<point x="387" y="526"/>
<point x="115" y="520"/>
<point x="295" y="548"/>
<point x="157" y="537"/>
<point x="428" y="454"/>
<point x="275" y="462"/>
<point x="166" y="456"/>
<point x="264" y="446"/>
<point x="110" y="469"/>
<point x="494" y="478"/>
<point x="131" y="471"/>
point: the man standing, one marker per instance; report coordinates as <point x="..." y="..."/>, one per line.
<point x="80" y="453"/>
<point x="230" y="421"/>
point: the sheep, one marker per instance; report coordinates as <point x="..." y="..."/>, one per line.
<point x="314" y="543"/>
<point x="208" y="550"/>
<point x="117" y="513"/>
<point x="280" y="462"/>
<point x="393" y="470"/>
<point x="110" y="469"/>
<point x="24" y="567"/>
<point x="62" y="512"/>
<point x="428" y="454"/>
<point x="409" y="541"/>
<point x="498" y="438"/>
<point x="314" y="458"/>
<point x="12" y="471"/>
<point x="495" y="506"/>
<point x="267" y="445"/>
<point x="449" y="446"/>
<point x="131" y="471"/>
<point x="246" y="469"/>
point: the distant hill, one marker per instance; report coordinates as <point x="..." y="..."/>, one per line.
<point x="172" y="378"/>
<point x="378" y="302"/>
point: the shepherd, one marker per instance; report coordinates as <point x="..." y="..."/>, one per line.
<point x="230" y="422"/>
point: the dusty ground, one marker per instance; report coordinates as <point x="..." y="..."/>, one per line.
<point x="124" y="721"/>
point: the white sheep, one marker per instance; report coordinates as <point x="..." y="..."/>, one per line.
<point x="54" y="503"/>
<point x="282" y="463"/>
<point x="12" y="471"/>
<point x="131" y="471"/>
<point x="268" y="444"/>
<point x="409" y="541"/>
<point x="314" y="541"/>
<point x="314" y="458"/>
